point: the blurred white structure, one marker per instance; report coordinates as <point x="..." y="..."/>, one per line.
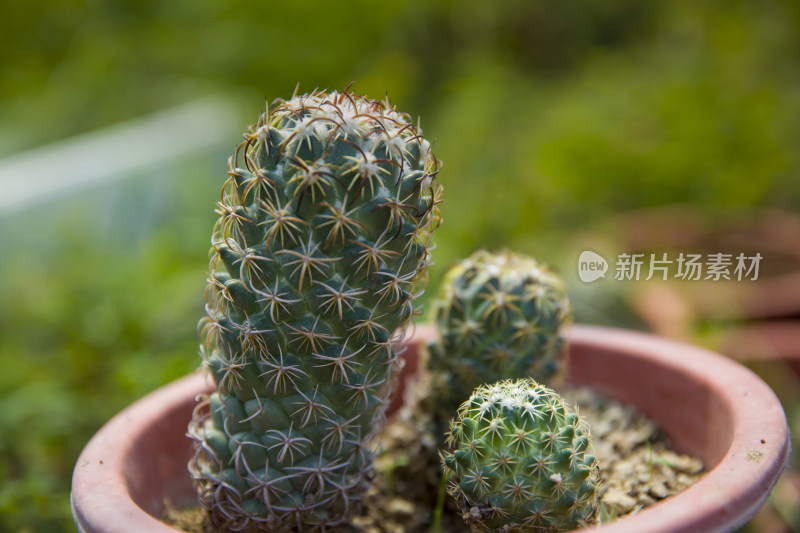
<point x="115" y="152"/>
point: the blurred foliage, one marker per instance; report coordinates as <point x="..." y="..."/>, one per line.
<point x="548" y="117"/>
<point x="100" y="315"/>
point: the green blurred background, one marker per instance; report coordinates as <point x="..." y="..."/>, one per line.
<point x="550" y="117"/>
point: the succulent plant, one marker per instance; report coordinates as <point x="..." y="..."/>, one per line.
<point x="518" y="459"/>
<point x="322" y="244"/>
<point x="499" y="316"/>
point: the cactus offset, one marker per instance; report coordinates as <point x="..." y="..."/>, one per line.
<point x="322" y="244"/>
<point x="519" y="460"/>
<point x="499" y="316"/>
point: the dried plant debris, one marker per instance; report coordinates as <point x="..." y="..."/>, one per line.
<point x="637" y="469"/>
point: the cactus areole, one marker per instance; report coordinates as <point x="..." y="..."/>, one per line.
<point x="322" y="244"/>
<point x="519" y="460"/>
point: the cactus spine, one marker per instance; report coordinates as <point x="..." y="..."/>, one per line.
<point x="519" y="460"/>
<point x="499" y="317"/>
<point x="322" y="243"/>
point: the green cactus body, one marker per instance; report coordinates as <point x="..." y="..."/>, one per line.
<point x="321" y="246"/>
<point x="499" y="316"/>
<point x="519" y="460"/>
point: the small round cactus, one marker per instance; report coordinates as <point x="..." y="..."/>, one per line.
<point x="499" y="316"/>
<point x="518" y="459"/>
<point x="322" y="244"/>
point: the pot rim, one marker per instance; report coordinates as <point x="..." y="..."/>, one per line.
<point x="100" y="492"/>
<point x="759" y="449"/>
<point x="100" y="475"/>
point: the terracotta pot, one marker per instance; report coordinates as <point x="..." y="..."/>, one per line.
<point x="710" y="407"/>
<point x="139" y="458"/>
<point x="772" y="349"/>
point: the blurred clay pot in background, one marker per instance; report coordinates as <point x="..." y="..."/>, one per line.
<point x="776" y="341"/>
<point x="672" y="307"/>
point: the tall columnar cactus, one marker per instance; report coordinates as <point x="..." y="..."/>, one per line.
<point x="519" y="460"/>
<point x="499" y="316"/>
<point x="322" y="243"/>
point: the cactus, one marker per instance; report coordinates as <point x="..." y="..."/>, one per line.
<point x="321" y="246"/>
<point x="499" y="316"/>
<point x="518" y="459"/>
